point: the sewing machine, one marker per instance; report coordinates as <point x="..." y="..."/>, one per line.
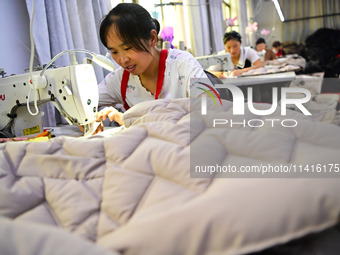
<point x="261" y="85"/>
<point x="218" y="59"/>
<point x="72" y="89"/>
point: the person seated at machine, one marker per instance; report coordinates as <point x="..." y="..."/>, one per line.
<point x="277" y="49"/>
<point x="243" y="58"/>
<point x="262" y="50"/>
<point x="130" y="33"/>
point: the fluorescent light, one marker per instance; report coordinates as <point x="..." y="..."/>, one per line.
<point x="278" y="9"/>
<point x="103" y="62"/>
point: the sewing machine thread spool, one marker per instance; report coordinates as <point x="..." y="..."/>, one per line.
<point x="166" y="45"/>
<point x="181" y="45"/>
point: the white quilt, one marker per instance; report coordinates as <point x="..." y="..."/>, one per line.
<point x="132" y="192"/>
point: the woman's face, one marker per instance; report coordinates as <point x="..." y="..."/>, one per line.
<point x="260" y="47"/>
<point x="132" y="60"/>
<point x="233" y="47"/>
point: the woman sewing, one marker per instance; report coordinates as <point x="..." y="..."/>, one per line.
<point x="243" y="58"/>
<point x="145" y="73"/>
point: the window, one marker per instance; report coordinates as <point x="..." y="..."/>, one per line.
<point x="169" y="13"/>
<point x="226" y="9"/>
<point x="229" y="15"/>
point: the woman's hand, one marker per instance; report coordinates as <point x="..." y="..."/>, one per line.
<point x="221" y="75"/>
<point x="236" y="72"/>
<point x="99" y="128"/>
<point x="111" y="113"/>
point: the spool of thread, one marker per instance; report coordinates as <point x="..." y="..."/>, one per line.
<point x="166" y="45"/>
<point x="181" y="45"/>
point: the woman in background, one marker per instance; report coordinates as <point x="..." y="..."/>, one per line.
<point x="261" y="47"/>
<point x="277" y="49"/>
<point x="243" y="58"/>
<point x="146" y="73"/>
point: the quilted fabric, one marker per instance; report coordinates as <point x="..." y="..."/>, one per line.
<point x="132" y="192"/>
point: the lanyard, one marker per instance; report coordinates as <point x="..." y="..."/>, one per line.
<point x="160" y="78"/>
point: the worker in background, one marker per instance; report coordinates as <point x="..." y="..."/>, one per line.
<point x="261" y="48"/>
<point x="243" y="58"/>
<point x="277" y="49"/>
<point x="146" y="72"/>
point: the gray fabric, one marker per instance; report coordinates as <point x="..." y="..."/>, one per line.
<point x="297" y="31"/>
<point x="216" y="28"/>
<point x="206" y="22"/>
<point x="242" y="20"/>
<point x="132" y="191"/>
<point x="24" y="238"/>
<point x="64" y="25"/>
<point x="199" y="27"/>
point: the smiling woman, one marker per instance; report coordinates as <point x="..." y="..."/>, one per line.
<point x="145" y="73"/>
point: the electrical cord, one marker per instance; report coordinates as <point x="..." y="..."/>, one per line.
<point x="6" y="132"/>
<point x="103" y="61"/>
<point x="31" y="38"/>
<point x="35" y="102"/>
<point x="59" y="55"/>
<point x="31" y="66"/>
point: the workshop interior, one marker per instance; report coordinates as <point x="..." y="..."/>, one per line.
<point x="250" y="166"/>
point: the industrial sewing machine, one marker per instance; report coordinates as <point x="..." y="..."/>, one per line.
<point x="261" y="84"/>
<point x="217" y="59"/>
<point x="72" y="89"/>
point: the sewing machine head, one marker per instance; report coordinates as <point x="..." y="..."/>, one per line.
<point x="224" y="60"/>
<point x="72" y="89"/>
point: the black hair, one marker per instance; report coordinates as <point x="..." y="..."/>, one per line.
<point x="233" y="35"/>
<point x="276" y="44"/>
<point x="133" y="23"/>
<point x="260" y="40"/>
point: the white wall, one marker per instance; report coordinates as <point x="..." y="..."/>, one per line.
<point x="15" y="41"/>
